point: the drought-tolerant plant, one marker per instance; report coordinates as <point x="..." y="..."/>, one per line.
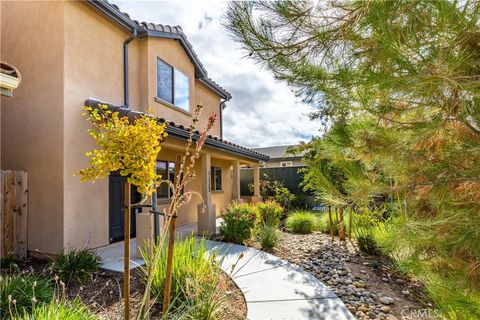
<point x="58" y="309"/>
<point x="266" y="235"/>
<point x="365" y="239"/>
<point x="10" y="262"/>
<point x="194" y="274"/>
<point x="238" y="222"/>
<point x="274" y="190"/>
<point x="209" y="305"/>
<point x="324" y="223"/>
<point x="269" y="213"/>
<point x="302" y="222"/>
<point x="75" y="266"/>
<point x="20" y="293"/>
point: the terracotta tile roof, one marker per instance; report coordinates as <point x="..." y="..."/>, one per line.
<point x="180" y="131"/>
<point x="148" y="29"/>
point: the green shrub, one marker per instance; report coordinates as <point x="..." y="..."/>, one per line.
<point x="76" y="266"/>
<point x="11" y="262"/>
<point x="269" y="213"/>
<point x="274" y="190"/>
<point x="455" y="292"/>
<point x="195" y="273"/>
<point x="324" y="224"/>
<point x="208" y="306"/>
<point x="238" y="222"/>
<point x="17" y="292"/>
<point x="365" y="239"/>
<point x="266" y="235"/>
<point x="63" y="310"/>
<point x="302" y="222"/>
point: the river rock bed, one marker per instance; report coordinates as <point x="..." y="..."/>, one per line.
<point x="369" y="286"/>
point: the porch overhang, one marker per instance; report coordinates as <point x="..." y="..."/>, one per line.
<point x="180" y="132"/>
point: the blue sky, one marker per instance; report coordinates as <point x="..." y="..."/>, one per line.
<point x="263" y="112"/>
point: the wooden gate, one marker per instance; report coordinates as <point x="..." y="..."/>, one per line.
<point x="13" y="212"/>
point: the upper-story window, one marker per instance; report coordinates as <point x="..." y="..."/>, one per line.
<point x="172" y="85"/>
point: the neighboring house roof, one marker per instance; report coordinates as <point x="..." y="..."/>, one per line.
<point x="146" y="29"/>
<point x="180" y="131"/>
<point x="279" y="152"/>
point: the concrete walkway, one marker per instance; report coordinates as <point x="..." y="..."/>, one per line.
<point x="276" y="289"/>
<point x="273" y="288"/>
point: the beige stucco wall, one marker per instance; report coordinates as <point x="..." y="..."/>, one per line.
<point x="68" y="52"/>
<point x="32" y="120"/>
<point x="93" y="68"/>
<point x="276" y="164"/>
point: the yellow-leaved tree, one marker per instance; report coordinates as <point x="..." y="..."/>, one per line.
<point x="129" y="147"/>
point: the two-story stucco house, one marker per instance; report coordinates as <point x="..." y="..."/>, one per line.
<point x="76" y="53"/>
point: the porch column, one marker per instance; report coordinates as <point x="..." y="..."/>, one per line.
<point x="206" y="222"/>
<point x="236" y="181"/>
<point x="256" y="183"/>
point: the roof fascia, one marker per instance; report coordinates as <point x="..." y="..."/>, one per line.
<point x="179" y="133"/>
<point x="214" y="88"/>
<point x="110" y="11"/>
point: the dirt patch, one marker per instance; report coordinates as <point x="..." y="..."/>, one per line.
<point x="104" y="292"/>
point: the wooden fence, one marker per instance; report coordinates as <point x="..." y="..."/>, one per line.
<point x="13" y="212"/>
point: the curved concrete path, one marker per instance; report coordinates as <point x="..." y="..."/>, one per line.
<point x="276" y="289"/>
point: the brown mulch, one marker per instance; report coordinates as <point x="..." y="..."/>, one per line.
<point x="103" y="294"/>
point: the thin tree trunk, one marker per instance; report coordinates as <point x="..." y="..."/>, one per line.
<point x="336" y="213"/>
<point x="342" y="225"/>
<point x="172" y="223"/>
<point x="168" y="277"/>
<point x="330" y="221"/>
<point x="126" y="257"/>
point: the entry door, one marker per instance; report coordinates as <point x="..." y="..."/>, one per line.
<point x="116" y="190"/>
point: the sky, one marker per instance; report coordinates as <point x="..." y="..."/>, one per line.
<point x="263" y="112"/>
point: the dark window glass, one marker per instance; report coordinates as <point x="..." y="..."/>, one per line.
<point x="164" y="191"/>
<point x="216" y="178"/>
<point x="164" y="81"/>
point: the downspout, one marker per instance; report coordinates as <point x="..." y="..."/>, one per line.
<point x="125" y="66"/>
<point x="222" y="106"/>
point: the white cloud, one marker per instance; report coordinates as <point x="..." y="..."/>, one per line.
<point x="263" y="111"/>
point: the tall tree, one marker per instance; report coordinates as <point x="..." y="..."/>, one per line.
<point x="400" y="80"/>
